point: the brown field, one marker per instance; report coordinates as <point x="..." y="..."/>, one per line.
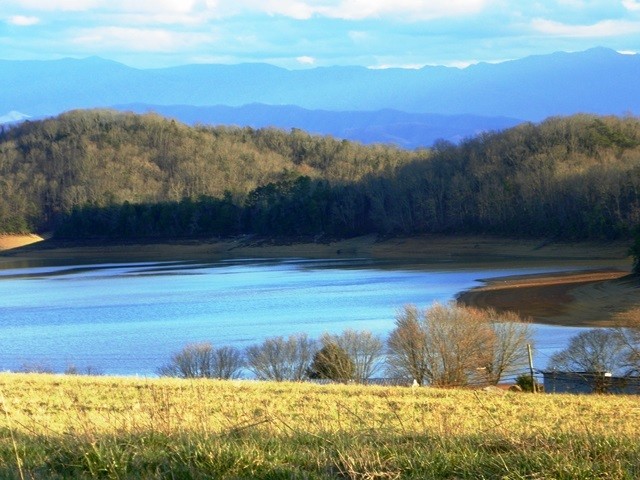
<point x="61" y="427"/>
<point x="597" y="295"/>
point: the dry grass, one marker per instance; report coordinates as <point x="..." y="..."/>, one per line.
<point x="84" y="427"/>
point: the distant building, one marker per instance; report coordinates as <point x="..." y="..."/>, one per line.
<point x="589" y="382"/>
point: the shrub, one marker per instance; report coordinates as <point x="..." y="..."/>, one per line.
<point x="454" y="345"/>
<point x="201" y="360"/>
<point x="363" y="348"/>
<point x="281" y="359"/>
<point x="333" y="363"/>
<point x="526" y="383"/>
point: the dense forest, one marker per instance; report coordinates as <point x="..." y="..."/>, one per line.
<point x="99" y="173"/>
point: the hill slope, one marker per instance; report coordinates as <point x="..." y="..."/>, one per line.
<point x="100" y="173"/>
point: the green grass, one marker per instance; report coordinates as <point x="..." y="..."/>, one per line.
<point x="54" y="427"/>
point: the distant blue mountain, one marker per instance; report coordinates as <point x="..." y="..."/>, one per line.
<point x="407" y="130"/>
<point x="598" y="81"/>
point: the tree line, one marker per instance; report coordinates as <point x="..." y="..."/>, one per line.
<point x="442" y="345"/>
<point x="115" y="175"/>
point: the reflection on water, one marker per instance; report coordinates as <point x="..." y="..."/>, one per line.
<point x="128" y="318"/>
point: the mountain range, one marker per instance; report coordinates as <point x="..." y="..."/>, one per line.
<point x="409" y="107"/>
<point x="407" y="130"/>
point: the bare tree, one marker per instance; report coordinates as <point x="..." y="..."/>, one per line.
<point x="88" y="370"/>
<point x="363" y="348"/>
<point x="408" y="351"/>
<point x="595" y="350"/>
<point x="282" y="359"/>
<point x="629" y="335"/>
<point x="227" y="363"/>
<point x="453" y="345"/>
<point x="460" y="342"/>
<point x="509" y="355"/>
<point x="201" y="360"/>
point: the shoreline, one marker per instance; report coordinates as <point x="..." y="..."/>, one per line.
<point x="10" y="242"/>
<point x="599" y="293"/>
<point x="436" y="249"/>
<point x="600" y="298"/>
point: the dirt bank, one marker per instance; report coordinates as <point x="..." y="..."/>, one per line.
<point x="597" y="298"/>
<point x="427" y="249"/>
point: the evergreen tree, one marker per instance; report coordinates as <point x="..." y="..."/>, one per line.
<point x="333" y="363"/>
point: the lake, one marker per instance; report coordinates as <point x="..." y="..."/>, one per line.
<point x="129" y="318"/>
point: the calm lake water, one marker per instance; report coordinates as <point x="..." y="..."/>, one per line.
<point x="128" y="319"/>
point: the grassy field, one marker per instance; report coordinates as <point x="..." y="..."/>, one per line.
<point x="99" y="427"/>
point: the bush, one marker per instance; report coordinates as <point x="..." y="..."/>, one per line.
<point x="201" y="360"/>
<point x="363" y="348"/>
<point x="453" y="345"/>
<point x="526" y="383"/>
<point x="333" y="363"/>
<point x="281" y="359"/>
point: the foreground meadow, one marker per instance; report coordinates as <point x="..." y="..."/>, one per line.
<point x="100" y="427"/>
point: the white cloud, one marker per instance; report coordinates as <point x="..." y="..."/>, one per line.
<point x="179" y="6"/>
<point x="379" y="33"/>
<point x="23" y="21"/>
<point x="107" y="5"/>
<point x="362" y="9"/>
<point x="146" y="12"/>
<point x="299" y="10"/>
<point x="54" y="5"/>
<point x="137" y="39"/>
<point x="306" y="60"/>
<point x="407" y="9"/>
<point x="123" y="8"/>
<point x="604" y="28"/>
<point x="631" y="5"/>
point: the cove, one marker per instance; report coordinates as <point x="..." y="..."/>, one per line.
<point x="129" y="318"/>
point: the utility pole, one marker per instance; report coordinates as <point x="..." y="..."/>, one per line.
<point x="533" y="380"/>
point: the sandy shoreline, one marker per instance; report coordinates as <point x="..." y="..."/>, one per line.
<point x="596" y="295"/>
<point x="596" y="299"/>
<point x="10" y="242"/>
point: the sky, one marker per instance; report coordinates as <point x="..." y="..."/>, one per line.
<point x="303" y="33"/>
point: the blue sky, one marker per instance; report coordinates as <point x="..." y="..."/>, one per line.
<point x="305" y="33"/>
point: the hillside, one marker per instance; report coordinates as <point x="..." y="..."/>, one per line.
<point x="58" y="427"/>
<point x="108" y="174"/>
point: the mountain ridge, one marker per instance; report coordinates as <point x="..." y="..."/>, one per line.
<point x="596" y="81"/>
<point x="406" y="130"/>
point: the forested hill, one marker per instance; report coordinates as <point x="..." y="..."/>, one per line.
<point x="106" y="174"/>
